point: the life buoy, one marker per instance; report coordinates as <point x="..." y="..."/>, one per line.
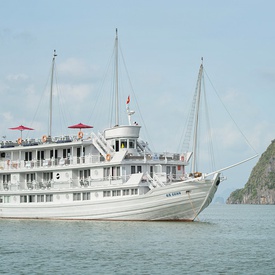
<point x="80" y="134"/>
<point x="108" y="157"/>
<point x="182" y="158"/>
<point x="19" y="140"/>
<point x="44" y="138"/>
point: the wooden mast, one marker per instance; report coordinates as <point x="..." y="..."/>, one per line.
<point x="195" y="137"/>
<point x="116" y="87"/>
<point x="51" y="96"/>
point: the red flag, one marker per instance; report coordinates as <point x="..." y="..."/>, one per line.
<point x="128" y="100"/>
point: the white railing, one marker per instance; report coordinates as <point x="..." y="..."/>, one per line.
<point x="22" y="164"/>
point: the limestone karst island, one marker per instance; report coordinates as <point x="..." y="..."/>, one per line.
<point x="260" y="188"/>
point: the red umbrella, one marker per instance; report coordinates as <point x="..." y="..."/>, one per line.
<point x="21" y="128"/>
<point x="80" y="126"/>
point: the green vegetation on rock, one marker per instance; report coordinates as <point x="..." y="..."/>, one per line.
<point x="260" y="188"/>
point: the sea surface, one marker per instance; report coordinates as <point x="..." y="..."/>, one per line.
<point x="227" y="239"/>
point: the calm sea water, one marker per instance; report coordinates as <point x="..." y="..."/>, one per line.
<point x="228" y="239"/>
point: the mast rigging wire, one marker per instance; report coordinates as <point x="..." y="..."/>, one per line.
<point x="248" y="143"/>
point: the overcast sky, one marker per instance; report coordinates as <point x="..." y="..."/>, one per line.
<point x="162" y="44"/>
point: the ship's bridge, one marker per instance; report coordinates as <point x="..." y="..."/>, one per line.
<point x="123" y="137"/>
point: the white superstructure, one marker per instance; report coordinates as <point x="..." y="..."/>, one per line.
<point x="109" y="176"/>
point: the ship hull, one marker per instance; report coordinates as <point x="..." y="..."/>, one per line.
<point x="181" y="201"/>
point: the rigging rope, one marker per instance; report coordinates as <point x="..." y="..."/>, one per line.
<point x="61" y="103"/>
<point x="99" y="95"/>
<point x="140" y="113"/>
<point x="190" y="125"/>
<point x="231" y="115"/>
<point x="209" y="132"/>
<point x="40" y="101"/>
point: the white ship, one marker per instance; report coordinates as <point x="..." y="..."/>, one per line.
<point x="112" y="175"/>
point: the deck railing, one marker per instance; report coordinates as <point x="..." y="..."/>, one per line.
<point x="59" y="162"/>
<point x="71" y="183"/>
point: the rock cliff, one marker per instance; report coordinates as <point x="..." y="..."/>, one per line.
<point x="260" y="188"/>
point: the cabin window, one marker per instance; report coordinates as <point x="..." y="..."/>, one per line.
<point x="80" y="155"/>
<point x="86" y="173"/>
<point x="174" y="172"/>
<point x="54" y="153"/>
<point x="47" y="176"/>
<point x="116" y="193"/>
<point x="49" y="198"/>
<point x="28" y="156"/>
<point x="106" y="193"/>
<point x="126" y="192"/>
<point x="23" y="199"/>
<point x="31" y="198"/>
<point x="151" y="171"/>
<point x="40" y="198"/>
<point x="117" y="146"/>
<point x="86" y="196"/>
<point x="134" y="191"/>
<point x="115" y="172"/>
<point x="123" y="143"/>
<point x="76" y="196"/>
<point x="40" y="155"/>
<point x="106" y="172"/>
<point x="66" y="153"/>
<point x="6" y="178"/>
<point x="4" y="199"/>
<point x="136" y="169"/>
<point x="30" y="177"/>
<point x="131" y="143"/>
